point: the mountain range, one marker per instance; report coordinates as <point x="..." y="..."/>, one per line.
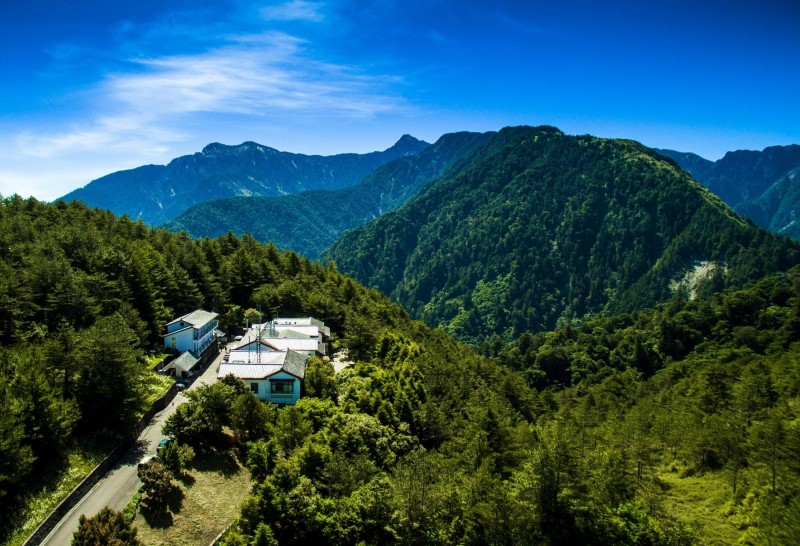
<point x="503" y="233"/>
<point x="158" y="193"/>
<point x="658" y="428"/>
<point x="671" y="425"/>
<point x="538" y="227"/>
<point x="310" y="221"/>
<point x="764" y="186"/>
<point x="761" y="185"/>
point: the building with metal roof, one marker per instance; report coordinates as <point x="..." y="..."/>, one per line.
<point x="193" y="332"/>
<point x="182" y="365"/>
<point x="277" y="376"/>
<point x="308" y="335"/>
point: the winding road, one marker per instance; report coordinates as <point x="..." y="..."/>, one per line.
<point x="117" y="488"/>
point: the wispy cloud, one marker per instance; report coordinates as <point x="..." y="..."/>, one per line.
<point x="517" y="25"/>
<point x="296" y="10"/>
<point x="251" y="78"/>
<point x="261" y="75"/>
<point x="135" y="135"/>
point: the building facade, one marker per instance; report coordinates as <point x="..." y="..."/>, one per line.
<point x="193" y="332"/>
<point x="277" y="377"/>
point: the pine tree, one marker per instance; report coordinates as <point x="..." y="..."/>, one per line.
<point x="107" y="528"/>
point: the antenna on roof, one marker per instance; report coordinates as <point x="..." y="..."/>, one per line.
<point x="258" y="338"/>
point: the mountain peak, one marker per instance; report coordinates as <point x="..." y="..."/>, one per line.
<point x="220" y="170"/>
<point x="532" y="203"/>
<point x="409" y="145"/>
<point x="406" y="138"/>
<point x="215" y="148"/>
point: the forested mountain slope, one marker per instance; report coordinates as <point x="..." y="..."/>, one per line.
<point x="310" y="221"/>
<point x="696" y="398"/>
<point x="764" y="186"/>
<point x="157" y="193"/>
<point x="538" y="226"/>
<point x="677" y="425"/>
<point x="422" y="441"/>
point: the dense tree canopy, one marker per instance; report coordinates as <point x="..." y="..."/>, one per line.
<point x="427" y="443"/>
<point x="538" y="227"/>
<point x="83" y="295"/>
<point x="580" y="435"/>
<point x="106" y="528"/>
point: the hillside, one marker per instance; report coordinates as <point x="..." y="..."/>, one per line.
<point x="538" y="227"/>
<point x="157" y="193"/>
<point x="674" y="426"/>
<point x="763" y="186"/>
<point x="703" y="395"/>
<point x="84" y="295"/>
<point x="310" y="221"/>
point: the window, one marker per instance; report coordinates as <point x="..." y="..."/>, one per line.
<point x="281" y="386"/>
<point x="254" y="388"/>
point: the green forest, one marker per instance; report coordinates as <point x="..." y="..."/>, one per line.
<point x="677" y="425"/>
<point x="84" y="296"/>
<point x="310" y="221"/>
<point x="538" y="227"/>
<point x="672" y="425"/>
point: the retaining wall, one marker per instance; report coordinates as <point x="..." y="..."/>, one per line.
<point x="99" y="471"/>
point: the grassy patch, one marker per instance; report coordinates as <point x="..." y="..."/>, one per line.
<point x="56" y="485"/>
<point x="152" y="360"/>
<point x="700" y="500"/>
<point x="204" y="505"/>
<point x="133" y="506"/>
<point x="155" y="385"/>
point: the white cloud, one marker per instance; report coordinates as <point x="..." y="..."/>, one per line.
<point x="224" y="79"/>
<point x="264" y="76"/>
<point x="45" y="184"/>
<point x="111" y="134"/>
<point x="296" y="10"/>
<point x="12" y="182"/>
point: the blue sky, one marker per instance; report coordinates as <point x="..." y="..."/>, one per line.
<point x="94" y="86"/>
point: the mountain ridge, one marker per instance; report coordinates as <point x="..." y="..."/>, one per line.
<point x="307" y="222"/>
<point x="542" y="227"/>
<point x="157" y="193"/>
<point x="762" y="185"/>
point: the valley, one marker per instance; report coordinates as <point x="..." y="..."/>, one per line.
<point x="300" y="272"/>
<point x="607" y="354"/>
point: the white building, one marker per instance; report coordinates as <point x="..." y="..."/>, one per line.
<point x="314" y="326"/>
<point x="307" y="336"/>
<point x="273" y="376"/>
<point x="192" y="332"/>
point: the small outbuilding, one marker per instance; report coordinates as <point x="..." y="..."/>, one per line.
<point x="181" y="366"/>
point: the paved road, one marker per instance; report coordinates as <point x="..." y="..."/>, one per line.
<point x="122" y="482"/>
